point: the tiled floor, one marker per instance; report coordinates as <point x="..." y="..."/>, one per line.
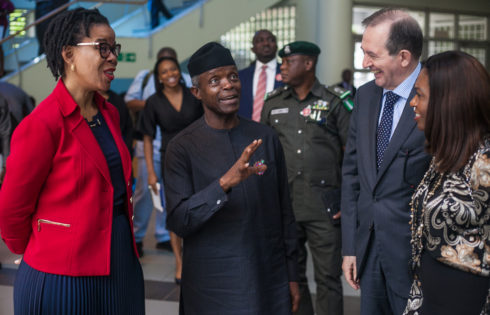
<point x="158" y="268"/>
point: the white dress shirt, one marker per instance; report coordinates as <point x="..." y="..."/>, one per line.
<point x="403" y="90"/>
<point x="271" y="75"/>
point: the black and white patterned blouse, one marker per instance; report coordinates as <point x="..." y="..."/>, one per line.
<point x="451" y="220"/>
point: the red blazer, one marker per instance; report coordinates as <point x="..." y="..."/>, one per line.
<point x="56" y="198"/>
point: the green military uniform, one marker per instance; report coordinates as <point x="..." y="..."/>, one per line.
<point x="313" y="133"/>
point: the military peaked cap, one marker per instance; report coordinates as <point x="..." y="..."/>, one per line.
<point x="299" y="48"/>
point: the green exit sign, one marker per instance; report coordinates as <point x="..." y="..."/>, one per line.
<point x="127" y="57"/>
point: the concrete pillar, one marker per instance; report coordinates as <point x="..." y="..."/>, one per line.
<point x="328" y="23"/>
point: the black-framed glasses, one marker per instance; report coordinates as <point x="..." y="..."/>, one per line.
<point x="104" y="48"/>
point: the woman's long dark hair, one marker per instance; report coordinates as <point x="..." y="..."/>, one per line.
<point x="159" y="86"/>
<point x="458" y="114"/>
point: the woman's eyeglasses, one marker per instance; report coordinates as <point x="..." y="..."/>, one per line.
<point x="104" y="48"/>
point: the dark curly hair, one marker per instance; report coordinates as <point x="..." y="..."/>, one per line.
<point x="159" y="86"/>
<point x="68" y="29"/>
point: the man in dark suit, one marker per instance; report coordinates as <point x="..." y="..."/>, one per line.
<point x="261" y="77"/>
<point x="383" y="163"/>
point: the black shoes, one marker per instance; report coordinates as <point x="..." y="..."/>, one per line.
<point x="139" y="248"/>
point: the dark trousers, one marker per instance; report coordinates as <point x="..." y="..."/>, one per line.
<point x="157" y="6"/>
<point x="377" y="298"/>
<point x="324" y="243"/>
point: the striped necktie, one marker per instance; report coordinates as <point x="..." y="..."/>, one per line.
<point x="260" y="94"/>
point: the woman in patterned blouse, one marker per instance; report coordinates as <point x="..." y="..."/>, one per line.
<point x="450" y="219"/>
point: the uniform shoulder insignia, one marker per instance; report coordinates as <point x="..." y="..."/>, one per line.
<point x="274" y="93"/>
<point x="344" y="95"/>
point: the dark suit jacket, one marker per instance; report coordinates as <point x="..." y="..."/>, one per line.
<point x="379" y="201"/>
<point x="247" y="99"/>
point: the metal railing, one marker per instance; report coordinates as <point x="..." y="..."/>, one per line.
<point x="65" y="6"/>
<point x="21" y="56"/>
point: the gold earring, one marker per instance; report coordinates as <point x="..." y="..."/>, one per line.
<point x="72" y="67"/>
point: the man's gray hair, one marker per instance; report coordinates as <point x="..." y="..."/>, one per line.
<point x="405" y="32"/>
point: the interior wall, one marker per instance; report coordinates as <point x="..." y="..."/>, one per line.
<point x="314" y="23"/>
<point x="469" y="6"/>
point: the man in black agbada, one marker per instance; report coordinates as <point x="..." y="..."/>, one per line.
<point x="227" y="196"/>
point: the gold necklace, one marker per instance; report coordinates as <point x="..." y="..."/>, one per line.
<point x="417" y="222"/>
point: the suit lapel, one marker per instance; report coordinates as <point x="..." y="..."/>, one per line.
<point x="248" y="88"/>
<point x="403" y="129"/>
<point x="80" y="130"/>
<point x="374" y="109"/>
<point x="89" y="144"/>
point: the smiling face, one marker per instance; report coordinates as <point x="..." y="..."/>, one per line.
<point x="219" y="91"/>
<point x="91" y="71"/>
<point x="387" y="69"/>
<point x="168" y="73"/>
<point x="420" y="102"/>
<point x="264" y="46"/>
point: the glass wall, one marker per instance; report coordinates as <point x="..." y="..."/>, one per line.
<point x="279" y="20"/>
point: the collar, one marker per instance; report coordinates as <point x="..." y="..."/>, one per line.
<point x="270" y="65"/>
<point x="316" y="90"/>
<point x="67" y="103"/>
<point x="404" y="88"/>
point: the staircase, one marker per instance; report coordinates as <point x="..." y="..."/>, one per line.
<point x="194" y="23"/>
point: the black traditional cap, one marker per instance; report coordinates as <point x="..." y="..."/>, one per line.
<point x="210" y="56"/>
<point x="299" y="48"/>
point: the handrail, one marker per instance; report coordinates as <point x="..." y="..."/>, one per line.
<point x="63" y="7"/>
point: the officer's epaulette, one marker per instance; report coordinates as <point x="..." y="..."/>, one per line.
<point x="344" y="95"/>
<point x="275" y="92"/>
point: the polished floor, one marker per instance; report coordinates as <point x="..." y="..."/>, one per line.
<point x="158" y="267"/>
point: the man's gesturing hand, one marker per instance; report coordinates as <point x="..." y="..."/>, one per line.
<point x="241" y="170"/>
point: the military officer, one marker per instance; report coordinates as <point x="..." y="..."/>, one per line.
<point x="312" y="122"/>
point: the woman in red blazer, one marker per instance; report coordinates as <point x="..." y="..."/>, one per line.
<point x="65" y="203"/>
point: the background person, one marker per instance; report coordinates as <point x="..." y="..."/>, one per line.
<point x="346" y="82"/>
<point x="384" y="160"/>
<point x="172" y="108"/>
<point x="65" y="203"/>
<point x="157" y="6"/>
<point x="312" y="122"/>
<point x="450" y="209"/>
<point x="142" y="87"/>
<point x="261" y="77"/>
<point x="20" y="103"/>
<point x="234" y="214"/>
<point x="5" y="132"/>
